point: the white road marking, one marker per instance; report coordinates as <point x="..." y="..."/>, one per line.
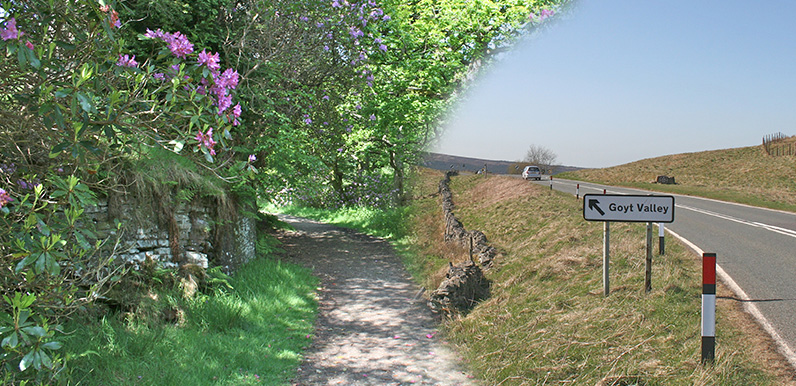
<point x="772" y="228"/>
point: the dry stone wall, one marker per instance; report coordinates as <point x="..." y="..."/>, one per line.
<point x="190" y="236"/>
<point x="464" y="283"/>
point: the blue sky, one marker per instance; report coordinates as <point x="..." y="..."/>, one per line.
<point x="614" y="81"/>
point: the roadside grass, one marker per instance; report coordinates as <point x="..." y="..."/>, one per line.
<point x="250" y="334"/>
<point x="745" y="175"/>
<point x="547" y="321"/>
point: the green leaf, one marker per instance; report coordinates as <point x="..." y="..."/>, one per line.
<point x="45" y="360"/>
<point x="85" y="104"/>
<point x="63" y="93"/>
<point x="10" y="341"/>
<point x="28" y="260"/>
<point x="34" y="61"/>
<point x="22" y="58"/>
<point x="178" y="145"/>
<point x="52" y="345"/>
<point x="36" y="331"/>
<point x="41" y="262"/>
<point x="26" y="361"/>
<point x="25" y="302"/>
<point x="53" y="268"/>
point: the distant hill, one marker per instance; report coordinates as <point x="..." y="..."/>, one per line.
<point x="447" y="162"/>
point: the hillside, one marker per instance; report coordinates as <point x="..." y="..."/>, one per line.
<point x="547" y="321"/>
<point x="446" y="162"/>
<point x="747" y="175"/>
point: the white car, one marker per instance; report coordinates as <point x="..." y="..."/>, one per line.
<point x="532" y="173"/>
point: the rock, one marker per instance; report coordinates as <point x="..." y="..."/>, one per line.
<point x="196" y="258"/>
<point x="665" y="180"/>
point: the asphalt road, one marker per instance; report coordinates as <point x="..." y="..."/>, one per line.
<point x="755" y="249"/>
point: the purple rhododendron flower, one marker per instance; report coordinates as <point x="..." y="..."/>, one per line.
<point x="372" y="117"/>
<point x="29" y="45"/>
<point x="206" y="140"/>
<point x="157" y="34"/>
<point x="127" y="61"/>
<point x="228" y="79"/>
<point x="211" y="61"/>
<point x="224" y="102"/>
<point x="252" y="158"/>
<point x="383" y="47"/>
<point x="236" y="114"/>
<point x="178" y="43"/>
<point x="11" y="31"/>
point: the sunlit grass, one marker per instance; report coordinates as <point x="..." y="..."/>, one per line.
<point x="253" y="334"/>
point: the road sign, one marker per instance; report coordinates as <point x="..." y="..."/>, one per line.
<point x="628" y="208"/>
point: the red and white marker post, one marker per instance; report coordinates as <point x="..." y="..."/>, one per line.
<point x="708" y="307"/>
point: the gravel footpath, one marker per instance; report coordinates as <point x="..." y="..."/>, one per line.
<point x="373" y="328"/>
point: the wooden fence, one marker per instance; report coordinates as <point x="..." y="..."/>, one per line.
<point x="778" y="144"/>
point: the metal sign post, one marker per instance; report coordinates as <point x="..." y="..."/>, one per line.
<point x="606" y="256"/>
<point x="648" y="261"/>
<point x="628" y="208"/>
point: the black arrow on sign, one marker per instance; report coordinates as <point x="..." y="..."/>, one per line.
<point x="593" y="206"/>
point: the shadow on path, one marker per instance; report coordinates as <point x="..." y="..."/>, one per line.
<point x="369" y="331"/>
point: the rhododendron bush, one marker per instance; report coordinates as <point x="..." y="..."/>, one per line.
<point x="74" y="106"/>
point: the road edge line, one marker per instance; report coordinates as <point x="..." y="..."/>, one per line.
<point x="748" y="306"/>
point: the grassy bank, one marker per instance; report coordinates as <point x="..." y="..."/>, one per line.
<point x="745" y="175"/>
<point x="547" y="321"/>
<point x="250" y="334"/>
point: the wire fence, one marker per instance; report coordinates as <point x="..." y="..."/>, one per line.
<point x="779" y="144"/>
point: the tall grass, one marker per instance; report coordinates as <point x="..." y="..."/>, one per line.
<point x="250" y="334"/>
<point x="547" y="321"/>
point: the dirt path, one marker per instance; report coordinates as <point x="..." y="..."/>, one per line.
<point x="371" y="330"/>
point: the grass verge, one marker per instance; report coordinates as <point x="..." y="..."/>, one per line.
<point x="548" y="322"/>
<point x="250" y="334"/>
